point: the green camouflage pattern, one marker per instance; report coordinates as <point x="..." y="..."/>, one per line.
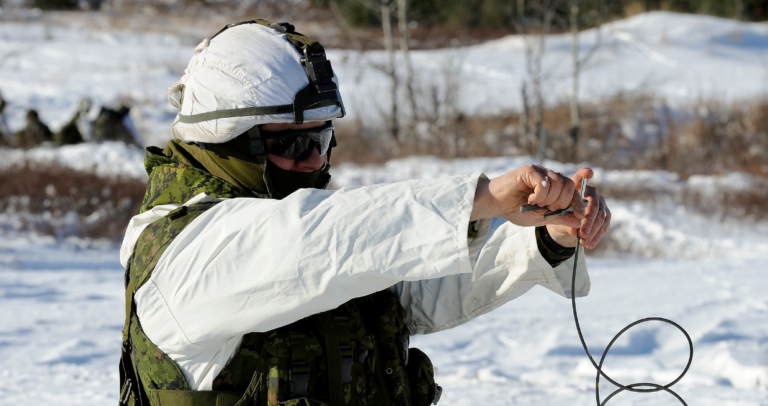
<point x="302" y="402"/>
<point x="237" y="374"/>
<point x="389" y="326"/>
<point x="156" y="238"/>
<point x="156" y="370"/>
<point x="421" y="377"/>
<point x="295" y="342"/>
<point x="368" y="329"/>
<point x="174" y="182"/>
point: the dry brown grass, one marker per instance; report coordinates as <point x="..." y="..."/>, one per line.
<point x="623" y="132"/>
<point x="722" y="203"/>
<point x="62" y="202"/>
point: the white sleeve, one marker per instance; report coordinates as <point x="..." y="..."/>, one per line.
<point x="253" y="265"/>
<point x="506" y="263"/>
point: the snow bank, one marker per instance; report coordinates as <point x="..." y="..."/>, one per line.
<point x="108" y="159"/>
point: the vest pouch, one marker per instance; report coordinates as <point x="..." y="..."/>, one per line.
<point x="421" y="378"/>
<point x="292" y="367"/>
<point x="193" y="398"/>
<point x="392" y="338"/>
<point x="302" y="402"/>
<point x="362" y="370"/>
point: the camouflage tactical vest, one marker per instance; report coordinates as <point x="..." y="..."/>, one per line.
<point x="356" y="354"/>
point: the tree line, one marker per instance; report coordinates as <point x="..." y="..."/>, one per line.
<point x="498" y="14"/>
<point x="494" y="14"/>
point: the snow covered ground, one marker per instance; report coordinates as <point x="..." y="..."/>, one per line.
<point x="61" y="303"/>
<point x="62" y="309"/>
<point x="680" y="57"/>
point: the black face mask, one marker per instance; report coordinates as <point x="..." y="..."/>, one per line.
<point x="286" y="182"/>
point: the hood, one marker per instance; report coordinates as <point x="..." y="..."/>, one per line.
<point x="173" y="182"/>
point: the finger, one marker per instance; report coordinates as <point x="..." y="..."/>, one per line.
<point x="603" y="231"/>
<point x="605" y="226"/>
<point x="582" y="174"/>
<point x="577" y="204"/>
<point x="591" y="211"/>
<point x="596" y="226"/>
<point x="535" y="179"/>
<point x="566" y="196"/>
<point x="555" y="186"/>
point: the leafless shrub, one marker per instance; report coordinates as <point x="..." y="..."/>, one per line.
<point x="58" y="201"/>
<point x="636" y="131"/>
<point x="723" y="202"/>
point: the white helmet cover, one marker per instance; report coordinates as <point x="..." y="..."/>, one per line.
<point x="246" y="66"/>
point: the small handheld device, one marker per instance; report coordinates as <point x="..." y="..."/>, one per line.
<point x="557" y="213"/>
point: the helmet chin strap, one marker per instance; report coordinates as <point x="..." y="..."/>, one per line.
<point x="325" y="176"/>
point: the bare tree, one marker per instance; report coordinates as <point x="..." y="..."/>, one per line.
<point x="523" y="127"/>
<point x="578" y="62"/>
<point x="443" y="119"/>
<point x="402" y="17"/>
<point x="386" y="24"/>
<point x="739" y="10"/>
<point x="385" y="8"/>
<point x="535" y="30"/>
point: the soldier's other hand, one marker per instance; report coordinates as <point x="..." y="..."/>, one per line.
<point x="593" y="226"/>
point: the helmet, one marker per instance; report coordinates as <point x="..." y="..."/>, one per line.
<point x="252" y="73"/>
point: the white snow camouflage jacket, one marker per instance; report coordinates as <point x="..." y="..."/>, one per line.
<point x="324" y="248"/>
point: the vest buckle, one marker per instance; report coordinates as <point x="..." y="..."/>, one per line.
<point x="298" y="378"/>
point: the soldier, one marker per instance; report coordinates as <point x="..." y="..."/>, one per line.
<point x="4" y="133"/>
<point x="248" y="283"/>
<point x="70" y="133"/>
<point x="34" y="134"/>
<point x="111" y="125"/>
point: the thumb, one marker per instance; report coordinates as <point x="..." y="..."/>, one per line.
<point x="583" y="173"/>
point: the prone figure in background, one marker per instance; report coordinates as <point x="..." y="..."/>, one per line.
<point x="35" y="133"/>
<point x="70" y="133"/>
<point x="4" y="133"/>
<point x="115" y="125"/>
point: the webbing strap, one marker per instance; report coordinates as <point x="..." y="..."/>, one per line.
<point x="342" y="330"/>
<point x="321" y="92"/>
<point x="193" y="398"/>
<point x="244" y="112"/>
<point x="128" y="307"/>
<point x="298" y="347"/>
<point x="334" y="357"/>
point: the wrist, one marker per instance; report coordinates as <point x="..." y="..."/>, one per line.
<point x="482" y="207"/>
<point x="552" y="252"/>
<point x="561" y="236"/>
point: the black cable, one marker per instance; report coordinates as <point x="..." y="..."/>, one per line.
<point x="644" y="387"/>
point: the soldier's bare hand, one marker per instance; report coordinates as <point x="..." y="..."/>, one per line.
<point x="593" y="226"/>
<point x="531" y="184"/>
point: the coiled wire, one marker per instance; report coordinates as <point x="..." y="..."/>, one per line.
<point x="641" y="387"/>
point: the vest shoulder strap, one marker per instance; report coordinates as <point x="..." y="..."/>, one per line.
<point x="137" y="348"/>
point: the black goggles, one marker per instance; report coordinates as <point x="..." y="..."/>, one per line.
<point x="298" y="144"/>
